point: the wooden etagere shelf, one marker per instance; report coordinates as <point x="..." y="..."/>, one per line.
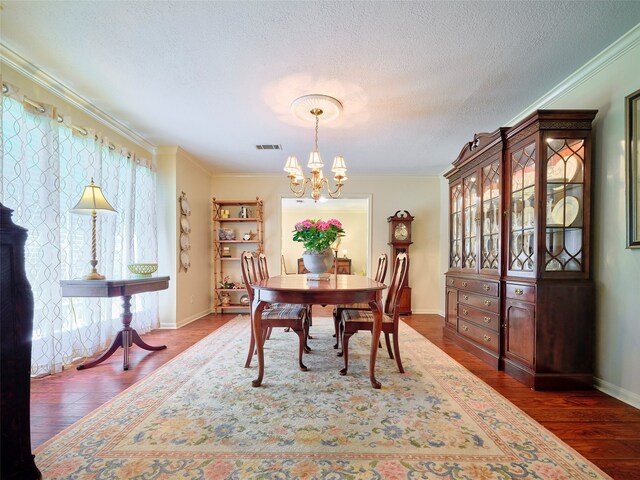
<point x="519" y="293"/>
<point x="244" y="217"/>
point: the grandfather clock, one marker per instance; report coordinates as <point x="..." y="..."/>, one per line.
<point x="400" y="240"/>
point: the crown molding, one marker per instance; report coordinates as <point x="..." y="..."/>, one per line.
<point x="610" y="54"/>
<point x="56" y="87"/>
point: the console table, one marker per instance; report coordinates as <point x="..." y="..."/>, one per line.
<point x="117" y="288"/>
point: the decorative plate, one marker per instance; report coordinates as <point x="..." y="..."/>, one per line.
<point x="244" y="299"/>
<point x="185" y="225"/>
<point x="184" y="241"/>
<point x="565" y="211"/>
<point x="184" y="205"/>
<point x="556" y="170"/>
<point x="185" y="261"/>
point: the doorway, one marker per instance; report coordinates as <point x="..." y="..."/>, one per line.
<point x="354" y="212"/>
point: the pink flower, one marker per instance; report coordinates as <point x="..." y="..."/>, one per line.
<point x="323" y="226"/>
<point x="334" y="222"/>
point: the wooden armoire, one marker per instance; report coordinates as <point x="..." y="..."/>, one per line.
<point x="518" y="290"/>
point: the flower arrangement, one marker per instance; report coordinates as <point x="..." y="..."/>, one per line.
<point x="317" y="235"/>
<point x="226" y="283"/>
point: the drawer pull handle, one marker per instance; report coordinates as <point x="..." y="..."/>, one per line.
<point x="465" y="328"/>
<point x="487" y="319"/>
<point x="487" y="338"/>
<point x="486" y="287"/>
<point x="452" y="282"/>
<point x="487" y="302"/>
<point x="466" y="297"/>
<point x="519" y="291"/>
<point x="464" y="284"/>
<point x="465" y="311"/>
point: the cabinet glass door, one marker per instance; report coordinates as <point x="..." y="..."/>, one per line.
<point x="564" y="205"/>
<point x="455" y="246"/>
<point x="523" y="213"/>
<point x="490" y="217"/>
<point x="470" y="219"/>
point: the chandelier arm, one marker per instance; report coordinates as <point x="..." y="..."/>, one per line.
<point x="337" y="191"/>
<point x="303" y="187"/>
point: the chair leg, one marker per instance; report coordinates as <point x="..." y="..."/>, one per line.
<point x="252" y="346"/>
<point x="268" y="336"/>
<point x="340" y="335"/>
<point x="345" y="351"/>
<point x="396" y="348"/>
<point x="386" y="339"/>
<point x="336" y="326"/>
<point x="305" y="330"/>
<point x="301" y="336"/>
<point x="265" y="335"/>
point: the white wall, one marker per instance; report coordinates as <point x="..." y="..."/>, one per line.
<point x="419" y="195"/>
<point x="189" y="295"/>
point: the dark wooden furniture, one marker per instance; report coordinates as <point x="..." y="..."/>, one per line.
<point x="297" y="289"/>
<point x="344" y="266"/>
<point x="518" y="291"/>
<point x="117" y="288"/>
<point x="16" y="327"/>
<point x="353" y="320"/>
<point x="400" y="241"/>
<point x="291" y="316"/>
<point x="381" y="273"/>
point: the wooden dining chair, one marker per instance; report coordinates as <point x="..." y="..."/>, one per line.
<point x="284" y="315"/>
<point x="353" y="320"/>
<point x="381" y="273"/>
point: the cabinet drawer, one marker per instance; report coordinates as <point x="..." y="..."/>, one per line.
<point x="476" y="286"/>
<point x="524" y="293"/>
<point x="478" y="334"/>
<point x="492" y="304"/>
<point x="484" y="319"/>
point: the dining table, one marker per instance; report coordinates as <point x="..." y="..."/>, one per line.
<point x="299" y="289"/>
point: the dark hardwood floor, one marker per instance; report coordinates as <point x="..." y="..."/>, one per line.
<point x="603" y="429"/>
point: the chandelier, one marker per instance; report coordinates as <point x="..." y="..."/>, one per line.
<point x="310" y="107"/>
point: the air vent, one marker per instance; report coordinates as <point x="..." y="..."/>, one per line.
<point x="268" y="147"/>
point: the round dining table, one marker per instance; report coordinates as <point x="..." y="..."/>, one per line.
<point x="298" y="289"/>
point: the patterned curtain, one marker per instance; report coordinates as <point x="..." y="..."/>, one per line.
<point x="45" y="166"/>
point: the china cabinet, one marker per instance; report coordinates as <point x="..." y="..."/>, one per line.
<point x="519" y="292"/>
<point x="238" y="225"/>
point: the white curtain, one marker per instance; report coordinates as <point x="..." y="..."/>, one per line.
<point x="44" y="168"/>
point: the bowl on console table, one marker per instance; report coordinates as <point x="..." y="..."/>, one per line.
<point x="143" y="269"/>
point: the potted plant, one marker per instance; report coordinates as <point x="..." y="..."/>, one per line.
<point x="317" y="236"/>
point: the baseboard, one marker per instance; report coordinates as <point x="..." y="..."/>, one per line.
<point x="415" y="311"/>
<point x="615" y="391"/>
<point x="185" y="321"/>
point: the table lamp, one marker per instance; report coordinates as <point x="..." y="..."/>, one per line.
<point x="91" y="201"/>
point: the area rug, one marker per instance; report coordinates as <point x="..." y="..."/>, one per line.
<point x="198" y="417"/>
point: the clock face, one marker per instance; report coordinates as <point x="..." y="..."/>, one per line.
<point x="401" y="232"/>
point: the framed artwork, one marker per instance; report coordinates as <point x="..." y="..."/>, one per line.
<point x="632" y="112"/>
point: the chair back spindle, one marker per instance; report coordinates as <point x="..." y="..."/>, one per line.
<point x="263" y="269"/>
<point x="400" y="268"/>
<point x="381" y="271"/>
<point x="249" y="272"/>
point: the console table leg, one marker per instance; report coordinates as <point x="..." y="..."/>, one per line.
<point x="117" y="343"/>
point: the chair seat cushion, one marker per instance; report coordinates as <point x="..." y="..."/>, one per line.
<point x="281" y="305"/>
<point x="349" y="315"/>
<point x="357" y="306"/>
<point x="288" y="311"/>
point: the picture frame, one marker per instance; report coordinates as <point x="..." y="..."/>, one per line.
<point x="632" y="147"/>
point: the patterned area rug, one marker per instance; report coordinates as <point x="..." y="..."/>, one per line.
<point x="198" y="417"/>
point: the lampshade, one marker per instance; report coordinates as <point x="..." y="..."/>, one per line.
<point x="315" y="160"/>
<point x="339" y="165"/>
<point x="292" y="165"/>
<point x="92" y="200"/>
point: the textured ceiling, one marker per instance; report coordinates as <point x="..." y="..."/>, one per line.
<point x="416" y="79"/>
